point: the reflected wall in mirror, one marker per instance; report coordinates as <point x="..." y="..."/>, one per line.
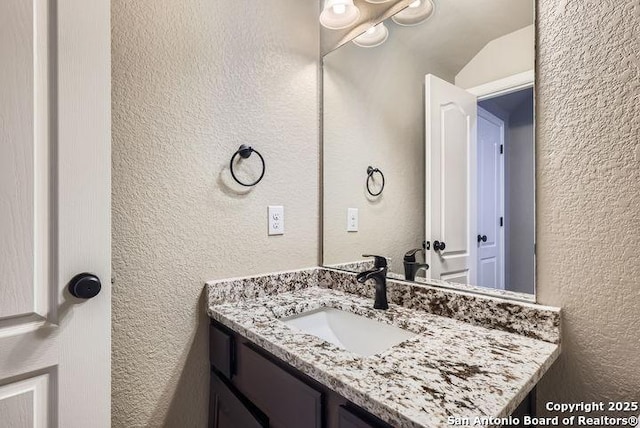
<point x="444" y="110"/>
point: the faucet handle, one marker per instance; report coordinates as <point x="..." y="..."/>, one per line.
<point x="410" y="256"/>
<point x="380" y="261"/>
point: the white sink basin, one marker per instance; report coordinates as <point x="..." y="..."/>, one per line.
<point x="355" y="333"/>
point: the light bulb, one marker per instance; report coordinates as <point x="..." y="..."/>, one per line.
<point x="339" y="9"/>
<point x="416" y="13"/>
<point x="374" y="36"/>
<point x="338" y="14"/>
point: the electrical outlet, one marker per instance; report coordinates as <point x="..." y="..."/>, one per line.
<point x="276" y="220"/>
<point x="352" y="219"/>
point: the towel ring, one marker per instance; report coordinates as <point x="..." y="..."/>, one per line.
<point x="370" y="171"/>
<point x="244" y="152"/>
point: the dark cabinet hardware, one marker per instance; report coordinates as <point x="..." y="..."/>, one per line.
<point x="482" y="238"/>
<point x="439" y="246"/>
<point x="426" y="245"/>
<point x="85" y="286"/>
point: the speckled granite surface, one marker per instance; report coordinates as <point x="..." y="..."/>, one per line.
<point x="527" y="319"/>
<point x="451" y="368"/>
<point x="357" y="266"/>
<point x="505" y="294"/>
<point x="235" y="289"/>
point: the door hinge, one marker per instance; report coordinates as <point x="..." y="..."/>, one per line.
<point x="501" y="221"/>
<point x="501" y="149"/>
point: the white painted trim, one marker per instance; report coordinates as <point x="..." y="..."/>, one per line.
<point x="502" y="125"/>
<point x="39" y="387"/>
<point x="504" y="86"/>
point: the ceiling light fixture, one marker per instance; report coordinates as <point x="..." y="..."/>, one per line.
<point x="416" y="13"/>
<point x="338" y="14"/>
<point x="374" y="36"/>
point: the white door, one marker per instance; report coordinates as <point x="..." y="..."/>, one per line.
<point x="451" y="115"/>
<point x="490" y="200"/>
<point x="54" y="212"/>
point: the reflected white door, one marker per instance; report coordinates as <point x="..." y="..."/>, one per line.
<point x="451" y="213"/>
<point x="490" y="200"/>
<point x="55" y="142"/>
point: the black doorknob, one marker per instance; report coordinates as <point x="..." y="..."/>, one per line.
<point x="482" y="238"/>
<point x="85" y="286"/>
<point x="438" y="246"/>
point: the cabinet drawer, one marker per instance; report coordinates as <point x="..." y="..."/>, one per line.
<point x="228" y="409"/>
<point x="221" y="350"/>
<point x="288" y="401"/>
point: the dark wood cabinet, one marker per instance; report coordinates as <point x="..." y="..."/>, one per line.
<point x="350" y="419"/>
<point x="289" y="402"/>
<point x="251" y="388"/>
<point x="221" y="351"/>
<point x="227" y="409"/>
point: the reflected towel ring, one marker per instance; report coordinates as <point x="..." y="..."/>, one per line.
<point x="245" y="151"/>
<point x="370" y="171"/>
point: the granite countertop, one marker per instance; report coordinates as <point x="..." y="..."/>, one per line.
<point x="450" y="368"/>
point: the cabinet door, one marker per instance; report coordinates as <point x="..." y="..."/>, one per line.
<point x="227" y="410"/>
<point x="349" y="419"/>
<point x="288" y="401"/>
<point x="221" y="350"/>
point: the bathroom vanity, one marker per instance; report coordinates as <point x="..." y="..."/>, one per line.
<point x="307" y="349"/>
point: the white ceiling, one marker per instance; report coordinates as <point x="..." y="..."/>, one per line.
<point x="459" y="29"/>
<point x="512" y="101"/>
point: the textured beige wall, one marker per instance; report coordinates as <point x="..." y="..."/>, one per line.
<point x="588" y="206"/>
<point x="374" y="115"/>
<point x="192" y="80"/>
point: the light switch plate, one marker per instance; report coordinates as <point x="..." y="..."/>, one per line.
<point x="352" y="219"/>
<point x="276" y="220"/>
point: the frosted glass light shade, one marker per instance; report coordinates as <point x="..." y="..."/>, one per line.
<point x="416" y="13"/>
<point x="374" y="36"/>
<point x="338" y="14"/>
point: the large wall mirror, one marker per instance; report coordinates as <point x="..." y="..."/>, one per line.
<point x="429" y="148"/>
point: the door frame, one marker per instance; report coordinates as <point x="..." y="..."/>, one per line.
<point x="490" y="116"/>
<point x="505" y="86"/>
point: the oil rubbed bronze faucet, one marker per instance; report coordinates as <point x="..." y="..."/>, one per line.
<point x="411" y="266"/>
<point x="379" y="275"/>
